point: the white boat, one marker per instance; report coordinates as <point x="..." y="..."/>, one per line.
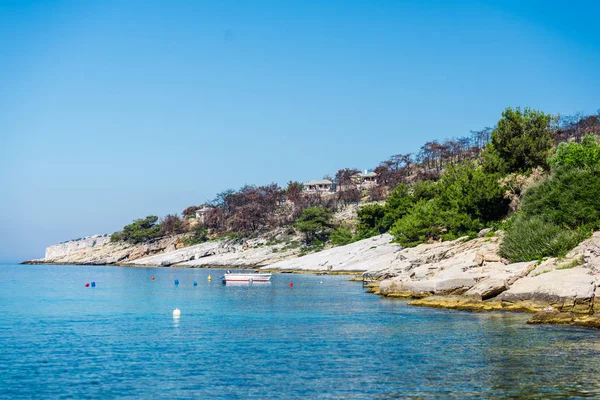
<point x="247" y="277"/>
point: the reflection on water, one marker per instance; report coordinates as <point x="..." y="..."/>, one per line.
<point x="323" y="338"/>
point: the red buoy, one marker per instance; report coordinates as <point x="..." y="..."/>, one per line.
<point x="87" y="285"/>
<point x="152" y="278"/>
<point x="291" y="284"/>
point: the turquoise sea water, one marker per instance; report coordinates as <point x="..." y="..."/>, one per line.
<point x="322" y="338"/>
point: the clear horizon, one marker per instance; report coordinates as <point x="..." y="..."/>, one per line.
<point x="111" y="111"/>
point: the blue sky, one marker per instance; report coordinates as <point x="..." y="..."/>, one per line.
<point x="113" y="110"/>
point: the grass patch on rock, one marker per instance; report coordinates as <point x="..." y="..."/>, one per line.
<point x="534" y="238"/>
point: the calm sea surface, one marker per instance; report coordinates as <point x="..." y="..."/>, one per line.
<point x="322" y="338"/>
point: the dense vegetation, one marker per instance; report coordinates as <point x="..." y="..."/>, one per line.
<point x="462" y="202"/>
<point x="558" y="213"/>
<point x="554" y="216"/>
<point x="447" y="190"/>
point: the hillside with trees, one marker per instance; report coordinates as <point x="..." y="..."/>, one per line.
<point x="534" y="176"/>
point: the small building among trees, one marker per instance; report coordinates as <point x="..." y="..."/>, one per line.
<point x="201" y="214"/>
<point x="324" y="185"/>
<point x="365" y="179"/>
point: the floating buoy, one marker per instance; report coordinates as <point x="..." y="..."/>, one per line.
<point x="195" y="283"/>
<point x="176" y="313"/>
<point x="87" y="285"/>
<point x="291" y="284"/>
<point x="152" y="277"/>
<point x="93" y="284"/>
<point x="209" y="278"/>
<point x="321" y="282"/>
<point x="177" y="281"/>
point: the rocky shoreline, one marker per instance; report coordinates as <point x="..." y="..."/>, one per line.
<point x="469" y="275"/>
<point x="461" y="274"/>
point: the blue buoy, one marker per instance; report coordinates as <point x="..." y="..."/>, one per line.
<point x="195" y="283"/>
<point x="93" y="284"/>
<point x="177" y="281"/>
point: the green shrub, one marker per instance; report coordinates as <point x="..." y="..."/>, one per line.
<point x="342" y="236"/>
<point x="466" y="189"/>
<point x="315" y="223"/>
<point x="399" y="202"/>
<point x="420" y="224"/>
<point x="573" y="263"/>
<point x="317" y="245"/>
<point x="198" y="234"/>
<point x="375" y="219"/>
<point x="141" y="230"/>
<point x="370" y="221"/>
<point x="424" y="190"/>
<point x="490" y="234"/>
<point x="569" y="198"/>
<point x="294" y="244"/>
<point x="529" y="239"/>
<point x="234" y="236"/>
<point x="577" y="155"/>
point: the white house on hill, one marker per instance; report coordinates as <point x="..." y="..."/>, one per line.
<point x="201" y="213"/>
<point x="324" y="185"/>
<point x="365" y="179"/>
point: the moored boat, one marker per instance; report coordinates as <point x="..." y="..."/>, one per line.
<point x="248" y="277"/>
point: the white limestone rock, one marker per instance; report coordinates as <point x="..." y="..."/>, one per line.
<point x="558" y="287"/>
<point x="487" y="288"/>
<point x="66" y="248"/>
<point x="376" y="253"/>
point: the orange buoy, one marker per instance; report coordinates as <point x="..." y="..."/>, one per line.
<point x="152" y="277"/>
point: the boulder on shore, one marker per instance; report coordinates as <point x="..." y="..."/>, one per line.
<point x="568" y="290"/>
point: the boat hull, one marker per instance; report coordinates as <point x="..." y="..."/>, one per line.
<point x="247" y="278"/>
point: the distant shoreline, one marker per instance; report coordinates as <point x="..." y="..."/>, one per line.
<point x="256" y="267"/>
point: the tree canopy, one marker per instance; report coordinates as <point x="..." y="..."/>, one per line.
<point x="314" y="223"/>
<point x="140" y="230"/>
<point x="521" y="141"/>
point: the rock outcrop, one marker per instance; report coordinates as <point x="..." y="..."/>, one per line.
<point x="66" y="248"/>
<point x="374" y="253"/>
<point x="222" y="253"/>
<point x="471" y="276"/>
<point x="98" y="250"/>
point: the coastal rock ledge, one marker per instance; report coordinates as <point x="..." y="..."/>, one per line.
<point x="280" y="256"/>
<point x="469" y="275"/>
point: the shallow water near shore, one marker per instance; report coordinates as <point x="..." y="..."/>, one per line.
<point x="322" y="338"/>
